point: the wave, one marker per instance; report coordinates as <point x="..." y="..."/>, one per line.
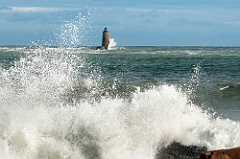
<point x="37" y="120"/>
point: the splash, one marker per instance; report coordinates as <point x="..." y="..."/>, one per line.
<point x="33" y="87"/>
<point x="38" y="122"/>
<point x="76" y="31"/>
<point x="112" y="44"/>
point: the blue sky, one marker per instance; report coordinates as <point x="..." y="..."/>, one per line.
<point x="134" y="23"/>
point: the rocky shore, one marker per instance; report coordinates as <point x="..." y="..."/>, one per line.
<point x="179" y="151"/>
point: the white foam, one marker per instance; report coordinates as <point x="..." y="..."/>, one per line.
<point x="223" y="88"/>
<point x="112" y="44"/>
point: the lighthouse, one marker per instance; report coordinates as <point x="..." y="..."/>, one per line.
<point x="105" y="39"/>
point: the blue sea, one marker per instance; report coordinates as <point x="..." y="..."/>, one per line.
<point x="123" y="103"/>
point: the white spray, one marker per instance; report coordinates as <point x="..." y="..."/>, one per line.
<point x="112" y="44"/>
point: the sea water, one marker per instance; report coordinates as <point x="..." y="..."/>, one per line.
<point x="124" y="103"/>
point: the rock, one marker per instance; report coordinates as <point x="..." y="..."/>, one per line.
<point x="178" y="151"/>
<point x="100" y="48"/>
<point x="232" y="153"/>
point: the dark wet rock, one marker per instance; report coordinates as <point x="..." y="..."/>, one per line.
<point x="179" y="151"/>
<point x="100" y="48"/>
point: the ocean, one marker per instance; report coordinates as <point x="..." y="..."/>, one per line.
<point x="123" y="103"/>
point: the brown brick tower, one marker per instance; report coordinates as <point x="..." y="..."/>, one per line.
<point x="105" y="39"/>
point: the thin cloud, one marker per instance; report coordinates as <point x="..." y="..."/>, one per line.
<point x="233" y="23"/>
<point x="34" y="9"/>
<point x="31" y="9"/>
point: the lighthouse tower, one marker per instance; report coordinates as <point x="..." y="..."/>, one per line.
<point x="105" y="39"/>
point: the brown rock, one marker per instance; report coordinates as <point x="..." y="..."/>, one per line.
<point x="232" y="153"/>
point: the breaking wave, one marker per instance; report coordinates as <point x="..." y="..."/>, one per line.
<point x="37" y="119"/>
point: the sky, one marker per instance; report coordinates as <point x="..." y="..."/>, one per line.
<point x="130" y="22"/>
